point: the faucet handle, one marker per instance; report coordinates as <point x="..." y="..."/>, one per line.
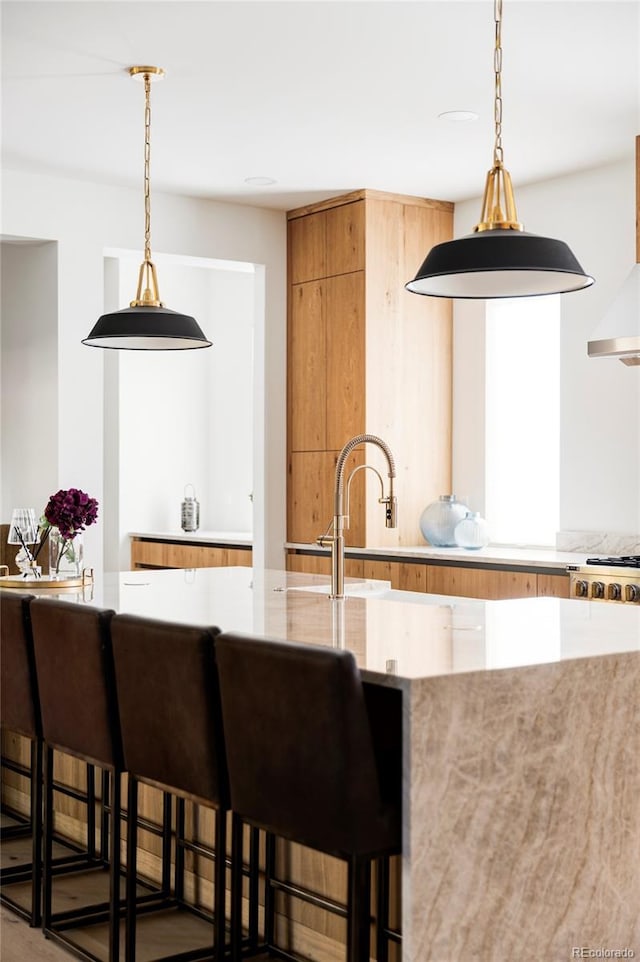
<point x="326" y="540"/>
<point x="391" y="511"/>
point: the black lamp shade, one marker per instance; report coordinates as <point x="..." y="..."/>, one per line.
<point x="499" y="263"/>
<point x="147" y="329"/>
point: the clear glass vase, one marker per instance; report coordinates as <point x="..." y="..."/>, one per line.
<point x="472" y="532"/>
<point x="66" y="555"/>
<point x="439" y="519"/>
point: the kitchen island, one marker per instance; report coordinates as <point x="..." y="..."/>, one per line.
<point x="521" y="744"/>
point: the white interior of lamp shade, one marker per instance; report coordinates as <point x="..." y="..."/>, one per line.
<point x="147" y="343"/>
<point x="510" y="283"/>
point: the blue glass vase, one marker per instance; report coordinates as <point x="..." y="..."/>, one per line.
<point x="439" y="519"/>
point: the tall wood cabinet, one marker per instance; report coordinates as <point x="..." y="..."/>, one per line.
<point x="365" y="356"/>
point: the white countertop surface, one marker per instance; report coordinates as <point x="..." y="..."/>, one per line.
<point x="398" y="635"/>
<point x="518" y="556"/>
<point x="240" y="538"/>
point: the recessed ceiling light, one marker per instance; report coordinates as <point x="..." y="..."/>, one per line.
<point x="458" y="116"/>
<point x="260" y="181"/>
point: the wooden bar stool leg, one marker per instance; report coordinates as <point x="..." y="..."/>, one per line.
<point x="359" y="911"/>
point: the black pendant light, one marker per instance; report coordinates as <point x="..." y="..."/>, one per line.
<point x="147" y="325"/>
<point x="499" y="259"/>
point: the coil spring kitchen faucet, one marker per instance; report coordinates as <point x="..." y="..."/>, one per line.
<point x="341" y="516"/>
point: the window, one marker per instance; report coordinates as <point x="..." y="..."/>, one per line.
<point x="523" y="420"/>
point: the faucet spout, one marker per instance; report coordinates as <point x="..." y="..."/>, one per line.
<point x="341" y="516"/>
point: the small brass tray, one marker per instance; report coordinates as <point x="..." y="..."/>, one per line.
<point x="44" y="583"/>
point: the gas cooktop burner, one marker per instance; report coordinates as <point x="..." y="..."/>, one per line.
<point x="624" y="561"/>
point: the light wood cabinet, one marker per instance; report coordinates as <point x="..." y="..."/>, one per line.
<point x="173" y="554"/>
<point x="321" y="565"/>
<point x="326" y="362"/>
<point x="310" y="495"/>
<point x="482" y="582"/>
<point x="553" y="586"/>
<point x="329" y="242"/>
<point x="365" y="356"/>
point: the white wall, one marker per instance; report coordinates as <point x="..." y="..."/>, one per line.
<point x="29" y="371"/>
<point x="187" y="417"/>
<point x="228" y="504"/>
<point x="594" y="212"/>
<point x="85" y="219"/>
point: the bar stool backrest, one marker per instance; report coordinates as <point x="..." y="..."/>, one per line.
<point x="299" y="745"/>
<point x="76" y="680"/>
<point x="169" y="705"/>
<point x="19" y="702"/>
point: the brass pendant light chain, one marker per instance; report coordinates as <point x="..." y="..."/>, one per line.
<point x="498" y="203"/>
<point x="497" y="69"/>
<point x="147" y="157"/>
<point x="147" y="294"/>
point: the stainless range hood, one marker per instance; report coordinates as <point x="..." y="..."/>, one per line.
<point x="619" y="329"/>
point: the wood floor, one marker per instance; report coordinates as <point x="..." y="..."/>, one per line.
<point x="20" y="943"/>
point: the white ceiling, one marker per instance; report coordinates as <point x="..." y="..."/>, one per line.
<point x="325" y="96"/>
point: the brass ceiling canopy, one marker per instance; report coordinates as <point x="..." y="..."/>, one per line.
<point x="147" y="325"/>
<point x="499" y="259"/>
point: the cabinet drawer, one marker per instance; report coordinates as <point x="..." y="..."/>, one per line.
<point x="479" y="583"/>
<point x="327" y="242"/>
<point x="169" y="554"/>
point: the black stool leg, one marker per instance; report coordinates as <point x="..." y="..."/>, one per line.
<point x="236" y="887"/>
<point x="167" y="808"/>
<point x="359" y="909"/>
<point x="220" y="882"/>
<point x="91" y="812"/>
<point x="132" y="863"/>
<point x="104" y="816"/>
<point x="47" y="855"/>
<point x="179" y="866"/>
<point x="36" y="832"/>
<point x="382" y="908"/>
<point x="254" y="885"/>
<point x="114" y="871"/>
<point x="269" y="894"/>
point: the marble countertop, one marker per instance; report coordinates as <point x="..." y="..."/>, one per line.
<point x="240" y="538"/>
<point x="396" y="636"/>
<point x="516" y="556"/>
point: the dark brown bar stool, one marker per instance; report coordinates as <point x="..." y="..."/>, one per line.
<point x="79" y="717"/>
<point x="303" y="765"/>
<point x="20" y="712"/>
<point x="172" y="736"/>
